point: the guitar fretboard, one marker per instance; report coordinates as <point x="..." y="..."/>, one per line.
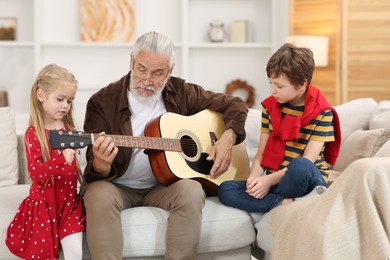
<point x="153" y="143"/>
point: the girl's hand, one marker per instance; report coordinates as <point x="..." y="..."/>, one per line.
<point x="69" y="155"/>
<point x="258" y="187"/>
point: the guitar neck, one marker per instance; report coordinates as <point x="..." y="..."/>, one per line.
<point x="152" y="143"/>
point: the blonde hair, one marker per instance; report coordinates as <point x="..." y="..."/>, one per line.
<point x="49" y="79"/>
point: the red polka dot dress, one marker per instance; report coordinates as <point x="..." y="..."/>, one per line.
<point x="52" y="209"/>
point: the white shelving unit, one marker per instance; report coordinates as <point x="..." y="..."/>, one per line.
<point x="48" y="31"/>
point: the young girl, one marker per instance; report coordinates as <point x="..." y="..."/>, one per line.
<point x="300" y="138"/>
<point x="51" y="216"/>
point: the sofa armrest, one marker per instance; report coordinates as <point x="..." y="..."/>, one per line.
<point x="24" y="177"/>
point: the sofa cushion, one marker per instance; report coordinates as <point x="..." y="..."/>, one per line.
<point x="8" y="153"/>
<point x="223" y="228"/>
<point x="355" y="115"/>
<point x="264" y="237"/>
<point x="10" y="199"/>
<point x="360" y="144"/>
<point x="381" y="116"/>
<point x="384" y="151"/>
<point x="252" y="129"/>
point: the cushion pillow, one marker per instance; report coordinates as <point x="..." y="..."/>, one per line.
<point x="384" y="151"/>
<point x="355" y="115"/>
<point x="8" y="153"/>
<point x="360" y="144"/>
<point x="252" y="129"/>
<point x="381" y="116"/>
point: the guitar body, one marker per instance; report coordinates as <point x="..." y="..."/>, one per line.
<point x="197" y="135"/>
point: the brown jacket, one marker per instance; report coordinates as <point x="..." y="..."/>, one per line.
<point x="108" y="111"/>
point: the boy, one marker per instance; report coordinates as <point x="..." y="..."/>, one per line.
<point x="300" y="137"/>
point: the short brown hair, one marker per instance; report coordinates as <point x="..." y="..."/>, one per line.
<point x="295" y="62"/>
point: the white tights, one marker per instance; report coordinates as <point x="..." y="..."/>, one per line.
<point x="72" y="246"/>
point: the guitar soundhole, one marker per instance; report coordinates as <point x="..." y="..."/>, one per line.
<point x="189" y="146"/>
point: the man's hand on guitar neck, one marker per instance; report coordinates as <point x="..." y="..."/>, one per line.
<point x="104" y="152"/>
<point x="221" y="153"/>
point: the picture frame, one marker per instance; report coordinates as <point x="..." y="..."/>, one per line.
<point x="107" y="20"/>
<point x="8" y="27"/>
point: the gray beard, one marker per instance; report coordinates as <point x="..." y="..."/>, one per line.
<point x="144" y="98"/>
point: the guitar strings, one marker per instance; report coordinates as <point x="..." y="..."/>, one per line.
<point x="88" y="136"/>
<point x="185" y="143"/>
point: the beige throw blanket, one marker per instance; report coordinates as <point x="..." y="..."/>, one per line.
<point x="351" y="220"/>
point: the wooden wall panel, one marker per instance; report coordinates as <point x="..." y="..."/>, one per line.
<point x="366" y="49"/>
<point x="319" y="17"/>
<point x="359" y="50"/>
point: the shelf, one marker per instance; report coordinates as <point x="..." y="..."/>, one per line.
<point x="46" y="35"/>
<point x="228" y="45"/>
<point x="16" y="44"/>
<point x="258" y="13"/>
<point x="87" y="45"/>
<point x="102" y="45"/>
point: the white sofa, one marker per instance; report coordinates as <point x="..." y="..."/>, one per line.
<point x="227" y="233"/>
<point x="365" y="127"/>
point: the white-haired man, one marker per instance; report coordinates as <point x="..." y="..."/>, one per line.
<point x="117" y="178"/>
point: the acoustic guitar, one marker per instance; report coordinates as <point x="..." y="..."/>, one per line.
<point x="177" y="147"/>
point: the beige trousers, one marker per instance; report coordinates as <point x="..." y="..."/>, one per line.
<point x="104" y="202"/>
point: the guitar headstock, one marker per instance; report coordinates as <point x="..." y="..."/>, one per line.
<point x="60" y="139"/>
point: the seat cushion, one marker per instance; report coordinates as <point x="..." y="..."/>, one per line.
<point x="223" y="228"/>
<point x="264" y="237"/>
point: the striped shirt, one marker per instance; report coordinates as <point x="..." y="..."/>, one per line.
<point x="320" y="129"/>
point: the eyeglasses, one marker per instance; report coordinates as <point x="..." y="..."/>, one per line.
<point x="155" y="77"/>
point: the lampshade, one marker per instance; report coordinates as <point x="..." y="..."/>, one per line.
<point x="318" y="44"/>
